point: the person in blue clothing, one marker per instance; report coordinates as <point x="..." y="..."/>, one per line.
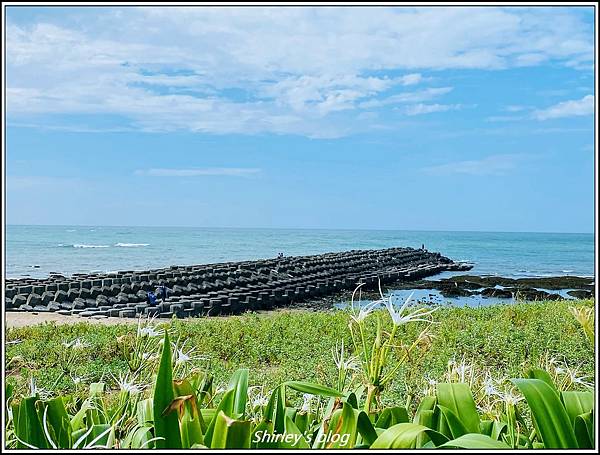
<point x="163" y="292"/>
<point x="151" y="298"/>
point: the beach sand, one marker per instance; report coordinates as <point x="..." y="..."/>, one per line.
<point x="13" y="319"/>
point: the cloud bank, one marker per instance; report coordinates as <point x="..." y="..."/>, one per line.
<point x="306" y="71"/>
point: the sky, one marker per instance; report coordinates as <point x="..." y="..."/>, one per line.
<point x="429" y="118"/>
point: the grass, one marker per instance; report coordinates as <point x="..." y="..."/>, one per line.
<point x="286" y="345"/>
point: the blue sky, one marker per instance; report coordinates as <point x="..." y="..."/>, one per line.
<point x="374" y="118"/>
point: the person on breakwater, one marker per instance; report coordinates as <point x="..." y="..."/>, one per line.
<point x="163" y="292"/>
<point x="151" y="298"/>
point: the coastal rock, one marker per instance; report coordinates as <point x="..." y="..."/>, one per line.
<point x="47" y="297"/>
<point x="498" y="293"/>
<point x="61" y="296"/>
<point x="19" y="300"/>
<point x="451" y="289"/>
<point x="79" y="304"/>
<point x="581" y="294"/>
<point x="526" y="293"/>
<point x="34" y="299"/>
<point x="85" y="293"/>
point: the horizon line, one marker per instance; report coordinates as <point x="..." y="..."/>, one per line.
<point x="296" y="228"/>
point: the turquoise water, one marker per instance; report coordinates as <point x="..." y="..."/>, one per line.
<point x="36" y="251"/>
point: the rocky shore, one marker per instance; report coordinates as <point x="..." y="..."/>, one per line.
<point x="513" y="288"/>
<point x="224" y="288"/>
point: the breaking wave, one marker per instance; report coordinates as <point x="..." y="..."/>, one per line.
<point x="131" y="245"/>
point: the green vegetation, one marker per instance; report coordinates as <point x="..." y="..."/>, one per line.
<point x="398" y="381"/>
<point x="298" y="344"/>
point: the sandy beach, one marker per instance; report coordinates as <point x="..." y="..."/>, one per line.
<point x="13" y="319"/>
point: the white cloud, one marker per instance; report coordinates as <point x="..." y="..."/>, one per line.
<point x="572" y="108"/>
<point x="420" y="109"/>
<point x="407" y="97"/>
<point x="411" y="79"/>
<point x="490" y="165"/>
<point x="199" y="172"/>
<point x="277" y="70"/>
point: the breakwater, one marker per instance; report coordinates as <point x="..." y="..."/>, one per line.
<point x="223" y="288"/>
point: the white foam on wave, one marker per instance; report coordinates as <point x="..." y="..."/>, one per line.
<point x="131" y="245"/>
<point x="82" y="245"/>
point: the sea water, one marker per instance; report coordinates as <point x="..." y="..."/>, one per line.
<point x="35" y="251"/>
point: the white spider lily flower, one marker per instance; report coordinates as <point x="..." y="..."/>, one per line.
<point x="352" y="364"/>
<point x="489" y="387"/>
<point x="553" y="361"/>
<point x="35" y="390"/>
<point x="510" y="398"/>
<point x="220" y="389"/>
<point x="462" y="370"/>
<point x="125" y="385"/>
<point x="307" y="400"/>
<point x="260" y="400"/>
<point x="149" y="332"/>
<point x="363" y="311"/>
<point x="580" y="380"/>
<point x="77" y="380"/>
<point x="340" y="360"/>
<point x="76" y="344"/>
<point x="432" y="382"/>
<point x="149" y="356"/>
<point x="183" y="357"/>
<point x="560" y="370"/>
<point x="400" y="318"/>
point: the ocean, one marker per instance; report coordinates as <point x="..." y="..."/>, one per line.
<point x="35" y="251"/>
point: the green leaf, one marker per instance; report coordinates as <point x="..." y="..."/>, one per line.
<point x="239" y="383"/>
<point x="225" y="406"/>
<point x="140" y="438"/>
<point x="230" y="433"/>
<point x="365" y="427"/>
<point x="342" y="429"/>
<point x="293" y="437"/>
<point x="458" y="399"/>
<point x="449" y="424"/>
<point x="303" y="420"/>
<point x="189" y="417"/>
<point x="145" y="412"/>
<point x="27" y="423"/>
<point x="538" y="373"/>
<point x="95" y="414"/>
<point x="577" y="403"/>
<point x="279" y="415"/>
<point x="475" y="441"/>
<point x="207" y="415"/>
<point x="425" y="416"/>
<point x="313" y="389"/>
<point x="584" y="430"/>
<point x="392" y="416"/>
<point x="259" y="440"/>
<point x="165" y="425"/>
<point x="58" y="423"/>
<point x="550" y="418"/>
<point x="405" y="435"/>
<point x="493" y="428"/>
<point x="351" y="399"/>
